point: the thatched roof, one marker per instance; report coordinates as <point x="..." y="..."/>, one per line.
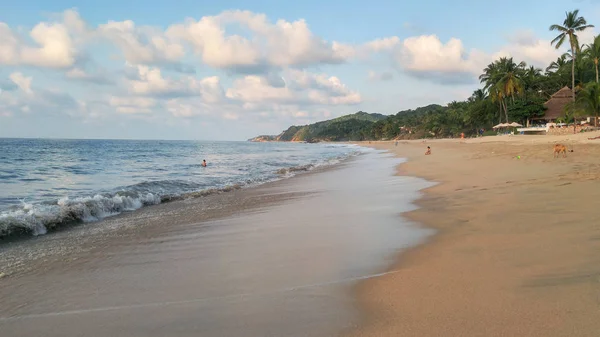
<point x="556" y="104"/>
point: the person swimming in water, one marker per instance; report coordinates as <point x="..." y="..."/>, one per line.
<point x="204" y="163"/>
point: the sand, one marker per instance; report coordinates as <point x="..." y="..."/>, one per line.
<point x="517" y="251"/>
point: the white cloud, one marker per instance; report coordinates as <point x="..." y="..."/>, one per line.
<point x="383" y="76"/>
<point x="40" y="100"/>
<point x="383" y="44"/>
<point x="150" y="81"/>
<point x="52" y="44"/>
<point x="524" y="45"/>
<point x="426" y="55"/>
<point x="279" y="44"/>
<point x="300" y="87"/>
<point x="187" y="108"/>
<point x="24" y="83"/>
<point x="256" y="89"/>
<point x="81" y="74"/>
<point x="132" y="105"/>
<point x="141" y="45"/>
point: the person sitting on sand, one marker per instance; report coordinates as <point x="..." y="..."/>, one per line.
<point x="428" y="152"/>
<point x="204" y="163"/>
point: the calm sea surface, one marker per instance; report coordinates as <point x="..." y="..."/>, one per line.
<point x="46" y="183"/>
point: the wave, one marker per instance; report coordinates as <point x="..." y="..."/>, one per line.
<point x="40" y="218"/>
<point x="291" y="171"/>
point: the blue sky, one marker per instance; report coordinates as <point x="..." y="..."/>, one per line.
<point x="232" y="69"/>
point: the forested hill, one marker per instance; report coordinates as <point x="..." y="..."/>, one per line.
<point x="349" y="127"/>
<point x="354" y="127"/>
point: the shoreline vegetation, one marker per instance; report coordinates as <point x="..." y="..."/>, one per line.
<point x="515" y="253"/>
<point x="512" y="91"/>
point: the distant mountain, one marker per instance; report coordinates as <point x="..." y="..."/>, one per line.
<point x="356" y="126"/>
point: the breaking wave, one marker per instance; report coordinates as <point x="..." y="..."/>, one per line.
<point x="40" y="218"/>
<point x="37" y="219"/>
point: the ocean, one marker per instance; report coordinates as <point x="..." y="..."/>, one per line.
<point x="49" y="183"/>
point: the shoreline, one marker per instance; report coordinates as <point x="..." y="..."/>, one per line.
<point x="128" y="222"/>
<point x="271" y="260"/>
<point x="72" y="218"/>
<point x="465" y="279"/>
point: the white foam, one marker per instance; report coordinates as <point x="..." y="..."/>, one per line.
<point x="38" y="218"/>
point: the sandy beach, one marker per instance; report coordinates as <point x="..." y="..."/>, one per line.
<point x="516" y="250"/>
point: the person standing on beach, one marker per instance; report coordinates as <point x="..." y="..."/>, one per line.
<point x="428" y="152"/>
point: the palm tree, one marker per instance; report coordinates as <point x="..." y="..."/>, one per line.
<point x="572" y="24"/>
<point x="502" y="79"/>
<point x="510" y="81"/>
<point x="558" y="64"/>
<point x="489" y="78"/>
<point x="531" y="79"/>
<point x="490" y="75"/>
<point x="592" y="52"/>
<point x="477" y="96"/>
<point x="588" y="101"/>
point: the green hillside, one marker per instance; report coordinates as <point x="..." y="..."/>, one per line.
<point x="349" y="127"/>
<point x="354" y="127"/>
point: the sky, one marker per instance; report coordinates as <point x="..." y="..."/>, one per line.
<point x="231" y="70"/>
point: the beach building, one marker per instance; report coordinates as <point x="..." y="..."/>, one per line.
<point x="555" y="109"/>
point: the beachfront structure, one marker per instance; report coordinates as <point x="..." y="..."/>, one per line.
<point x="555" y="106"/>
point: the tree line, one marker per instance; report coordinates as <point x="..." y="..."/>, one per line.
<point x="512" y="91"/>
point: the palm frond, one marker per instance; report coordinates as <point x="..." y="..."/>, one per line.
<point x="583" y="27"/>
<point x="559" y="40"/>
<point x="558" y="27"/>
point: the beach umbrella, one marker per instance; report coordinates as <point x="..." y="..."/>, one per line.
<point x="501" y="125"/>
<point x="515" y="124"/>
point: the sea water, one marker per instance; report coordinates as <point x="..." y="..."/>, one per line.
<point x="47" y="183"/>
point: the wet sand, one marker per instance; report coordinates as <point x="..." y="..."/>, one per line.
<point x="277" y="260"/>
<point x="517" y="249"/>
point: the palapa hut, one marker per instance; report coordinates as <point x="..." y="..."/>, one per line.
<point x="555" y="106"/>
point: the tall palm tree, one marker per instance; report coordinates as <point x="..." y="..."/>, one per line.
<point x="572" y="24"/>
<point x="592" y="52"/>
<point x="489" y="78"/>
